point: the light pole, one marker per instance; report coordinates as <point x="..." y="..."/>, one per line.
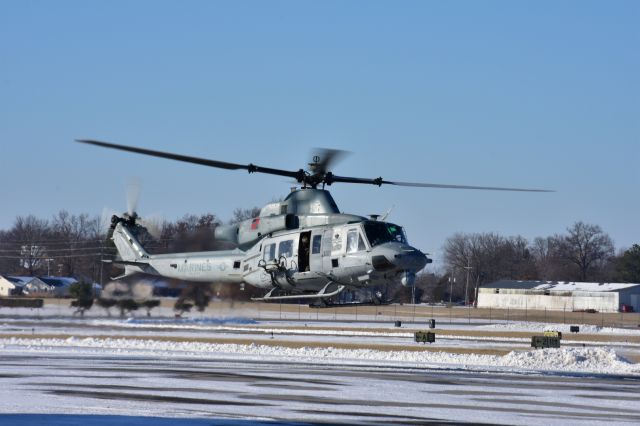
<point x="452" y="280"/>
<point x="476" y="293"/>
<point x="466" y="287"/>
<point x="48" y="266"/>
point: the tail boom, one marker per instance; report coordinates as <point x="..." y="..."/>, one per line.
<point x="213" y="266"/>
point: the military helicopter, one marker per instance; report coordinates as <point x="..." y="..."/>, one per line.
<point x="300" y="248"/>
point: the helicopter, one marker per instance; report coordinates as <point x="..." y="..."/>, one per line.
<point x="300" y="248"/>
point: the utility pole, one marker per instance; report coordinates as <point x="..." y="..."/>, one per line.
<point x="476" y="292"/>
<point x="413" y="293"/>
<point x="452" y="280"/>
<point x="101" y="261"/>
<point x="466" y="287"/>
<point x="101" y="266"/>
<point x="48" y="266"/>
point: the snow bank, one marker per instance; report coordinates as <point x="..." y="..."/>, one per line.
<point x="588" y="359"/>
<point x="581" y="360"/>
<point x="175" y="323"/>
<point x="564" y="328"/>
<point x="190" y="321"/>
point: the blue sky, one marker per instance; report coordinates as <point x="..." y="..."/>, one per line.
<point x="532" y="94"/>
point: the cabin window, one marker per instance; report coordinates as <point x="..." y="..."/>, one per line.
<point x="270" y="252"/>
<point x="315" y="246"/>
<point x="236" y="264"/>
<point x="285" y="248"/>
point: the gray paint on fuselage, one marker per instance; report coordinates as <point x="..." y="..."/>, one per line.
<point x="334" y="262"/>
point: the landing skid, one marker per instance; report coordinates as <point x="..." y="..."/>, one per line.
<point x="319" y="295"/>
<point x="328" y="304"/>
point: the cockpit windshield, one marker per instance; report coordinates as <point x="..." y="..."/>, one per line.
<point x="382" y="232"/>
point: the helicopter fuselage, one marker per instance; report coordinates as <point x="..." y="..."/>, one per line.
<point x="302" y="261"/>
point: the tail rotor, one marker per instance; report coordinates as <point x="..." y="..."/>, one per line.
<point x="153" y="224"/>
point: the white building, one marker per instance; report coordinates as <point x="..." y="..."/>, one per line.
<point x="570" y="296"/>
<point x="7" y="286"/>
<point x="11" y="285"/>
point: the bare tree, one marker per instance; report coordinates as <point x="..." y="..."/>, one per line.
<point x="243" y="214"/>
<point x="78" y="242"/>
<point x="517" y="257"/>
<point x="588" y="248"/>
<point x="194" y="233"/>
<point x="488" y="257"/>
<point x="546" y="255"/>
<point x="30" y="235"/>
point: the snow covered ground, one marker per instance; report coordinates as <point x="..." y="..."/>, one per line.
<point x="580" y="360"/>
<point x="236" y="369"/>
<point x="87" y="381"/>
<point x="564" y="328"/>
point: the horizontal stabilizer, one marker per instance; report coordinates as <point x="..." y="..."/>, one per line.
<point x="126" y="262"/>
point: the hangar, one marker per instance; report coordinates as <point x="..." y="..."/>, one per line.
<point x="560" y="295"/>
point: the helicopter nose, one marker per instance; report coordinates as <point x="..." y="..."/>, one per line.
<point x="398" y="256"/>
<point x="410" y="259"/>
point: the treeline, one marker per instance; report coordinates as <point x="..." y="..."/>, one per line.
<point x="65" y="245"/>
<point x="74" y="245"/>
<point x="584" y="253"/>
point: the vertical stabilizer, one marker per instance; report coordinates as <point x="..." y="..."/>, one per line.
<point x="129" y="248"/>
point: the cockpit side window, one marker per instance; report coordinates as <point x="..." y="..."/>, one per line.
<point x="352" y="241"/>
<point x="361" y="245"/>
<point x="355" y="242"/>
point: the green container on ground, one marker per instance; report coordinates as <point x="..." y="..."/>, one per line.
<point x="424" y="337"/>
<point x="541" y="342"/>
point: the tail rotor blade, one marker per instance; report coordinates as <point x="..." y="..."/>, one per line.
<point x="154" y="224"/>
<point x="105" y="219"/>
<point x="132" y="188"/>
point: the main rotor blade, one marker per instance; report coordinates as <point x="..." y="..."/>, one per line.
<point x="487" y="188"/>
<point x="380" y="181"/>
<point x="251" y="168"/>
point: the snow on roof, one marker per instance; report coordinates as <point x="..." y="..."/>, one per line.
<point x="59" y="281"/>
<point x="19" y="281"/>
<point x="560" y="285"/>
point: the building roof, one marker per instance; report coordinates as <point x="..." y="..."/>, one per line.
<point x="560" y="285"/>
<point x="59" y="281"/>
<point x="19" y="281"/>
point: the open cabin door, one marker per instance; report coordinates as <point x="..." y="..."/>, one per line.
<point x="316" y="252"/>
<point x="304" y="250"/>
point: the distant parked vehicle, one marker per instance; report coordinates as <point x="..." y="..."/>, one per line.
<point x="589" y="311"/>
<point x="626" y="308"/>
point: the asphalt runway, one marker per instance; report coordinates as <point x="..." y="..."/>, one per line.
<point x="207" y="388"/>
